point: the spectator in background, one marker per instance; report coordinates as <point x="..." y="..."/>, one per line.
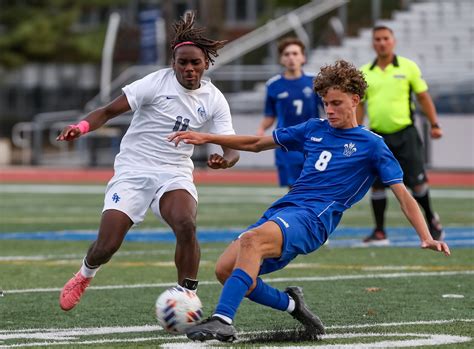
<point x="390" y="110"/>
<point x="290" y="100"/>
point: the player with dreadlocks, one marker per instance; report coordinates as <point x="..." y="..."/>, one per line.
<point x="149" y="171"/>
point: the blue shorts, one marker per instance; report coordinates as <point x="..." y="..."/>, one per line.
<point x="288" y="174"/>
<point x="302" y="232"/>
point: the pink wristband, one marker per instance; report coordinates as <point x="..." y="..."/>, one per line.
<point x="83" y="126"/>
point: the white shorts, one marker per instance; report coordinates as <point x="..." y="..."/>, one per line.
<point x="133" y="192"/>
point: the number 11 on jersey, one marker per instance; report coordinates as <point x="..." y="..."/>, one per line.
<point x="180" y="121"/>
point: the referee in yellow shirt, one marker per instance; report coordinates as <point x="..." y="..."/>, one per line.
<point x="391" y="80"/>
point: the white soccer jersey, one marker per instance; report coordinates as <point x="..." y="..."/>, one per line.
<point x="161" y="106"/>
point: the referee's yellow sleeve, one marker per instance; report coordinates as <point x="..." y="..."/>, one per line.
<point x="416" y="80"/>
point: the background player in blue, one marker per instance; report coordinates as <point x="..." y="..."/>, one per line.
<point x="290" y="101"/>
<point x="342" y="161"/>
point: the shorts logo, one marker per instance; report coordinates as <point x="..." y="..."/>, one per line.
<point x="349" y="149"/>
<point x="284" y="222"/>
<point x="316" y="139"/>
<point x="115" y="198"/>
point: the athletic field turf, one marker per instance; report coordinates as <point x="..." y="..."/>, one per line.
<point x="396" y="296"/>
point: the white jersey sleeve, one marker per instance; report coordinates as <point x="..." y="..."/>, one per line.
<point x="221" y="119"/>
<point x="141" y="92"/>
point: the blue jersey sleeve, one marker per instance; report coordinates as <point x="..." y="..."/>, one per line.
<point x="270" y="108"/>
<point x="291" y="138"/>
<point x="387" y="167"/>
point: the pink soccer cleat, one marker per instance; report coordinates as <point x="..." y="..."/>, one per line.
<point x="73" y="290"/>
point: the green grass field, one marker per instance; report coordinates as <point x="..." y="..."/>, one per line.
<point x="367" y="297"/>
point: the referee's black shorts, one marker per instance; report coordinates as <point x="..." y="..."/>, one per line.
<point x="407" y="147"/>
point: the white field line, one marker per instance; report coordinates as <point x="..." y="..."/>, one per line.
<point x="45" y="257"/>
<point x="99" y="341"/>
<point x="69" y="336"/>
<point x="276" y="280"/>
<point x="422" y="340"/>
<point x="150" y="328"/>
<point x="65" y="333"/>
<point x="202" y="190"/>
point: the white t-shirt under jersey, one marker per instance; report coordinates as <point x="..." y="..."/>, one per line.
<point x="161" y="106"/>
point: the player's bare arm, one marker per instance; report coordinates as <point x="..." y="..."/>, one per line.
<point x="96" y="118"/>
<point x="266" y="123"/>
<point x="246" y="143"/>
<point x="228" y="159"/>
<point x="429" y="109"/>
<point x="413" y="213"/>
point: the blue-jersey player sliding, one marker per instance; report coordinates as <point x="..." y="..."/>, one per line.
<point x="342" y="161"/>
<point x="290" y="101"/>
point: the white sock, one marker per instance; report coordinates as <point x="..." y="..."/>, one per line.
<point x="291" y="305"/>
<point x="88" y="272"/>
<point x="226" y="319"/>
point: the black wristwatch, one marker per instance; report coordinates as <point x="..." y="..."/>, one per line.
<point x="435" y="125"/>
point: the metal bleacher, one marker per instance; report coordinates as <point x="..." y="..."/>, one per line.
<point x="438" y="35"/>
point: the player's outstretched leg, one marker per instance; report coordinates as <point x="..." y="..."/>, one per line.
<point x="113" y="227"/>
<point x="212" y="328"/>
<point x="302" y="313"/>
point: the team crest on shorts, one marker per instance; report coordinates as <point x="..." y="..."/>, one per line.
<point x="115" y="198"/>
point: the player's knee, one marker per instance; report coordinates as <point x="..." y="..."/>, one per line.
<point x="249" y="241"/>
<point x="222" y="272"/>
<point x="185" y="229"/>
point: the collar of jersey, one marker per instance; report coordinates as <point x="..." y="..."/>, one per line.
<point x="343" y="130"/>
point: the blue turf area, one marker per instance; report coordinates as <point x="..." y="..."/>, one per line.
<point x="342" y="237"/>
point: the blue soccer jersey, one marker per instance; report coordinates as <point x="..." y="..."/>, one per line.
<point x="339" y="169"/>
<point x="291" y="102"/>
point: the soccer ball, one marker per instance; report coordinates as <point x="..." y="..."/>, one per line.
<point x="177" y="309"/>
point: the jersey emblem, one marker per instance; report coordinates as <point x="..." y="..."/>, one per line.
<point x="201" y="112"/>
<point x="349" y="149"/>
<point x="283" y="95"/>
<point x="308" y="91"/>
<point x="399" y="76"/>
<point x="316" y="139"/>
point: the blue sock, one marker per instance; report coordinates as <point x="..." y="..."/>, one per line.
<point x="271" y="297"/>
<point x="233" y="292"/>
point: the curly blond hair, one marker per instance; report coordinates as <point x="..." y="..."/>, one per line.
<point x="343" y="76"/>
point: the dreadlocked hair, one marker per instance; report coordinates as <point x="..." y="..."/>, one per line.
<point x="184" y="31"/>
<point x="343" y="76"/>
